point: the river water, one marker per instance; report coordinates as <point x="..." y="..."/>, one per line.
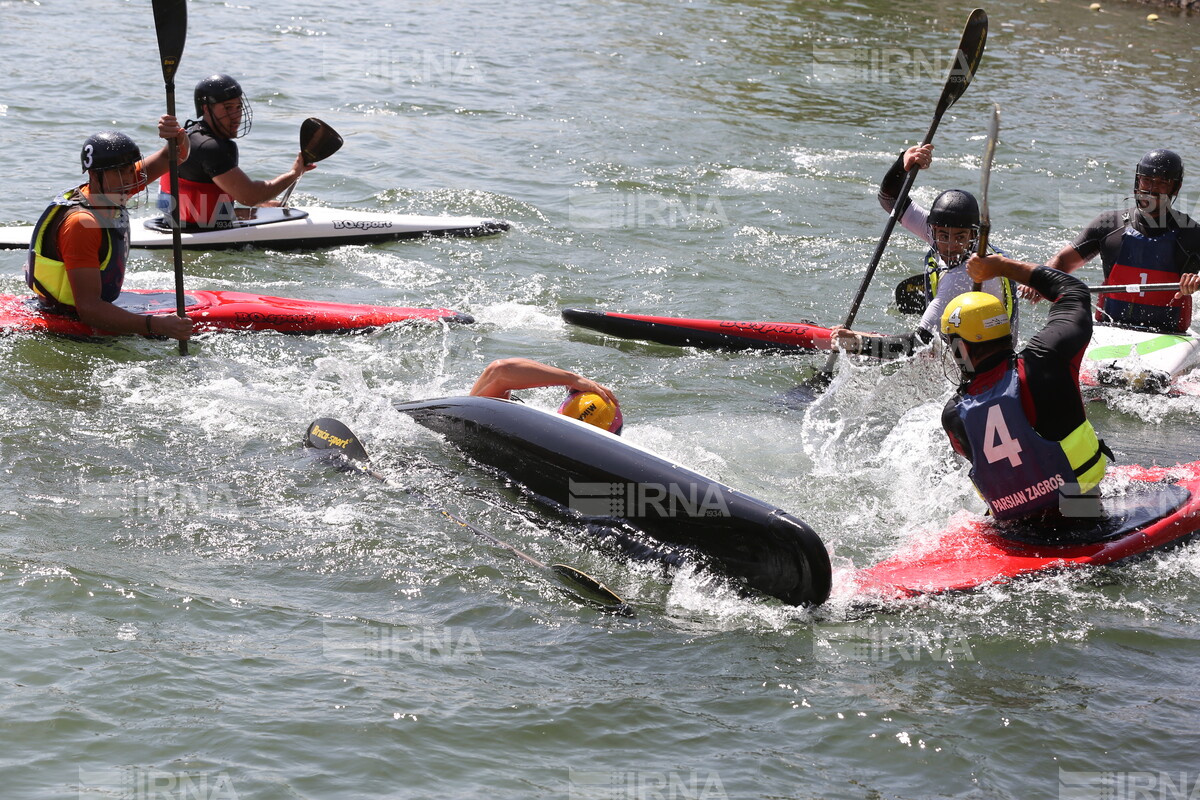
<point x="189" y="608"/>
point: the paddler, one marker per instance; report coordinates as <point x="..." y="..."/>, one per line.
<point x="951" y="229"/>
<point x="1019" y="417"/>
<point x="79" y="248"/>
<point x="586" y="399"/>
<point x="210" y="181"/>
<point x="1150" y="242"/>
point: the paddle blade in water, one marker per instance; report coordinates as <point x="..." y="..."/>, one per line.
<point x="330" y="434"/>
<point x="612" y="602"/>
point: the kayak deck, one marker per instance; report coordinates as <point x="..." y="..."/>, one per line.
<point x="293" y="229"/>
<point x="222" y="310"/>
<point x="972" y="553"/>
<point x="1145" y="361"/>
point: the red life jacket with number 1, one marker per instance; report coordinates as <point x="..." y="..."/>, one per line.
<point x="1145" y="259"/>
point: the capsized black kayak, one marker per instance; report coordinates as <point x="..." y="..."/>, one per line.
<point x="604" y="479"/>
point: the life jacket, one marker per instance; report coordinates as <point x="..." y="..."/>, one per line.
<point x="1016" y="471"/>
<point x="1145" y="259"/>
<point x="934" y="269"/>
<point x="45" y="271"/>
<point x="201" y="204"/>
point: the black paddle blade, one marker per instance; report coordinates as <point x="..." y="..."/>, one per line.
<point x="966" y="59"/>
<point x="318" y="141"/>
<point x="910" y="295"/>
<point x="170" y="22"/>
<point x="330" y="434"/>
<point x="612" y="603"/>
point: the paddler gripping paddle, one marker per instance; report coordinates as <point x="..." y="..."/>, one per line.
<point x="170" y="22"/>
<point x="318" y="141"/>
<point x="966" y="61"/>
<point x="340" y="442"/>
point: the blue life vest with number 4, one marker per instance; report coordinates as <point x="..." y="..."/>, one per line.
<point x="1016" y="471"/>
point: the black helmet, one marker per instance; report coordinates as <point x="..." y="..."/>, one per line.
<point x="1161" y="163"/>
<point x="108" y="150"/>
<point x="218" y="89"/>
<point x="215" y="89"/>
<point x="954" y="208"/>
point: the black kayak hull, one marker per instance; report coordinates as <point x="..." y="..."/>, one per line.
<point x="603" y="479"/>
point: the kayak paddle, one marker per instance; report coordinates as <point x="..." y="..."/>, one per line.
<point x="910" y="292"/>
<point x="335" y="437"/>
<point x="966" y="61"/>
<point x="989" y="153"/>
<point x="170" y="22"/>
<point x="318" y="141"/>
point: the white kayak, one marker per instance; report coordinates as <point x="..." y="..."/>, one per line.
<point x="292" y="229"/>
<point x="1145" y="361"/>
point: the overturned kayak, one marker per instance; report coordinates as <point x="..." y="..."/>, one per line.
<point x="312" y="227"/>
<point x="623" y="491"/>
<point x="1145" y="361"/>
<point x="712" y="334"/>
<point x="1159" y="508"/>
<point x="222" y="310"/>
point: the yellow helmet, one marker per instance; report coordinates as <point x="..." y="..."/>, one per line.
<point x="976" y="317"/>
<point x="592" y="408"/>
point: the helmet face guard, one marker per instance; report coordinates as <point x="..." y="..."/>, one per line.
<point x="110" y="157"/>
<point x="1157" y="180"/>
<point x="954" y="245"/>
<point x="953" y="226"/>
<point x="228" y="120"/>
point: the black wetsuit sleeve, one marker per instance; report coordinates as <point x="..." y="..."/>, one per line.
<point x="1053" y="356"/>
<point x="1091" y="239"/>
<point x="897" y="346"/>
<point x="889" y="188"/>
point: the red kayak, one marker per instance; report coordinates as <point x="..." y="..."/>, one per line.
<point x="713" y="334"/>
<point x="1160" y="508"/>
<point x="241" y="311"/>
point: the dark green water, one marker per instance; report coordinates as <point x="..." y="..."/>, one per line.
<point x="188" y="608"/>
